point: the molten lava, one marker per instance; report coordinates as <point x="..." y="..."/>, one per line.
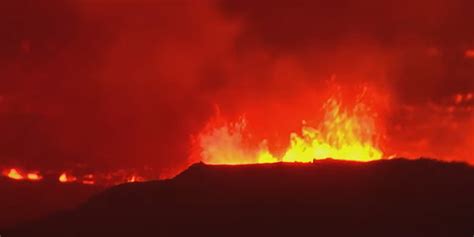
<point x="106" y="179"/>
<point x="66" y="178"/>
<point x="134" y="178"/>
<point x="343" y="134"/>
<point x="13" y="174"/>
<point x="88" y="179"/>
<point x="17" y="174"/>
<point x="33" y="176"/>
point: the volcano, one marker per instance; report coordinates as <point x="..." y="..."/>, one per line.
<point x="217" y="118"/>
<point x="396" y="197"/>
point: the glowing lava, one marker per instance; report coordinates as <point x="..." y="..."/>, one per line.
<point x="134" y="179"/>
<point x="343" y="134"/>
<point x="13" y="174"/>
<point x="66" y="178"/>
<point x="17" y="174"/>
<point x="34" y="176"/>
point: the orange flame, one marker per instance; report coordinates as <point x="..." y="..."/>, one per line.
<point x="14" y="174"/>
<point x="66" y="178"/>
<point x="343" y="134"/>
<point x="134" y="178"/>
<point x="33" y="176"/>
<point x="17" y="174"/>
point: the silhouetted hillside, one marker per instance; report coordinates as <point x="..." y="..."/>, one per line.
<point x="22" y="200"/>
<point x="326" y="198"/>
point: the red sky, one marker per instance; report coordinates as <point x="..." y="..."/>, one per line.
<point x="117" y="84"/>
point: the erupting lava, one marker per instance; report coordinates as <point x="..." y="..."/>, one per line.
<point x="33" y="176"/>
<point x="134" y="179"/>
<point x="16" y="174"/>
<point x="66" y="178"/>
<point x="13" y="174"/>
<point x="343" y="134"/>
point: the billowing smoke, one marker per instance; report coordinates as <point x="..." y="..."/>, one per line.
<point x="120" y="84"/>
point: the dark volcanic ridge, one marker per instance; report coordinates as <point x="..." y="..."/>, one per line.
<point x="395" y="197"/>
<point x="22" y="200"/>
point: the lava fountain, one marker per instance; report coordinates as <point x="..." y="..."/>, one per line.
<point x="344" y="133"/>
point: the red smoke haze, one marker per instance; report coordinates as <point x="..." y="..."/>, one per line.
<point x="125" y="84"/>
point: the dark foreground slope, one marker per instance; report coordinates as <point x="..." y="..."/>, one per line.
<point x="326" y="198"/>
<point x="23" y="200"/>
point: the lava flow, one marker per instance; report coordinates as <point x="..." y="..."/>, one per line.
<point x="17" y="174"/>
<point x="103" y="179"/>
<point x="66" y="178"/>
<point x="343" y="134"/>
